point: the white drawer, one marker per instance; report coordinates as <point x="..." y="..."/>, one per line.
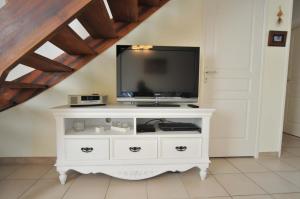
<point x="134" y="148"/>
<point x="86" y="149"/>
<point x="180" y="147"/>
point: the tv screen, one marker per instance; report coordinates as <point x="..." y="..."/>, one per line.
<point x="157" y="72"/>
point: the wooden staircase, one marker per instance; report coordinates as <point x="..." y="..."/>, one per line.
<point x="25" y="25"/>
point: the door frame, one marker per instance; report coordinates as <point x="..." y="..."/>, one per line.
<point x="287" y="60"/>
<point x="292" y="43"/>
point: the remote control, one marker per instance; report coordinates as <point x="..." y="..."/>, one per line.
<point x="193" y="106"/>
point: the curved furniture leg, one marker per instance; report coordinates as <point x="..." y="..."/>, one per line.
<point x="62" y="177"/>
<point x="203" y="173"/>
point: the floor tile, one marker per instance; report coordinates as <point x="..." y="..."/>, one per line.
<point x="294" y="162"/>
<point x="166" y="186"/>
<point x="253" y="197"/>
<point x="293" y="177"/>
<point x="285" y="155"/>
<point x="238" y="184"/>
<point x="247" y="165"/>
<point x="290" y="141"/>
<point x="221" y="165"/>
<point x="214" y="198"/>
<point x="198" y="188"/>
<point x="30" y="172"/>
<point x="6" y="170"/>
<point x="11" y="189"/>
<point x="273" y="183"/>
<point x="46" y="189"/>
<point x="275" y="164"/>
<point x="126" y="189"/>
<point x="92" y="186"/>
<point x="287" y="196"/>
<point x="292" y="150"/>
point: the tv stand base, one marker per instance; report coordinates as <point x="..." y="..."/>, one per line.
<point x="132" y="172"/>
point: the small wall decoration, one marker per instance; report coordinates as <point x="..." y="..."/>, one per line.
<point x="277" y="38"/>
<point x="279" y="15"/>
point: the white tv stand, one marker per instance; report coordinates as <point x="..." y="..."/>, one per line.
<point x="130" y="155"/>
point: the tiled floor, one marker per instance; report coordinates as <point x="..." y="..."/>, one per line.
<point x="230" y="178"/>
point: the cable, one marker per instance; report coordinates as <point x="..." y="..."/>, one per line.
<point x="161" y="120"/>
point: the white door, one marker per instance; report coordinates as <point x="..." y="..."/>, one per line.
<point x="292" y="116"/>
<point x="233" y="39"/>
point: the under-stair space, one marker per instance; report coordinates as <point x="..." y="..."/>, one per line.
<point x="28" y="24"/>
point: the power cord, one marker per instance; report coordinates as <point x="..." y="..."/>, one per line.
<point x="160" y="120"/>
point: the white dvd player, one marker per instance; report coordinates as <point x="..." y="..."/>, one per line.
<point x="87" y="100"/>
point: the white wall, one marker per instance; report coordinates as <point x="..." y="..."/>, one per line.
<point x="274" y="79"/>
<point x="29" y="129"/>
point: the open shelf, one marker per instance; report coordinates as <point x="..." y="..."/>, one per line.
<point x="98" y="126"/>
<point x="155" y="121"/>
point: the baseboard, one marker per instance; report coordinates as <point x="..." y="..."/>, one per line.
<point x="28" y="160"/>
<point x="268" y="155"/>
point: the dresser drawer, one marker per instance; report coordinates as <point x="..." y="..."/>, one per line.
<point x="180" y="147"/>
<point x="86" y="149"/>
<point x="134" y="148"/>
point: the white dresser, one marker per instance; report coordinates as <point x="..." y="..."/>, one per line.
<point x="129" y="155"/>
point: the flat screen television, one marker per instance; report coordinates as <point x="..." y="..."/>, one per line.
<point x="157" y="73"/>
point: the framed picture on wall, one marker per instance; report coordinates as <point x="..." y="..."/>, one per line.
<point x="277" y="38"/>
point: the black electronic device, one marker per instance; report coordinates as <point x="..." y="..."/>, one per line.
<point x="193" y="106"/>
<point x="160" y="74"/>
<point x="157" y="105"/>
<point x="178" y="126"/>
<point x="144" y="128"/>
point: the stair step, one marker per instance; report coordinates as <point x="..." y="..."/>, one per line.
<point x="20" y="85"/>
<point x="149" y="2"/>
<point x="125" y="10"/>
<point x="96" y="21"/>
<point x="70" y="42"/>
<point x="44" y="64"/>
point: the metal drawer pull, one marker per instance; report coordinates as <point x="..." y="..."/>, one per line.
<point x="181" y="148"/>
<point x="135" y="149"/>
<point x="87" y="149"/>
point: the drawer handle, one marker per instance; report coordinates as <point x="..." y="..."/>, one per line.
<point x="181" y="148"/>
<point x="135" y="149"/>
<point x="87" y="149"/>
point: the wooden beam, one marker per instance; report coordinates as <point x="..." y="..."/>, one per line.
<point x="19" y="85"/>
<point x="96" y="20"/>
<point x="69" y="41"/>
<point x="149" y="2"/>
<point x="44" y="64"/>
<point x="125" y="10"/>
